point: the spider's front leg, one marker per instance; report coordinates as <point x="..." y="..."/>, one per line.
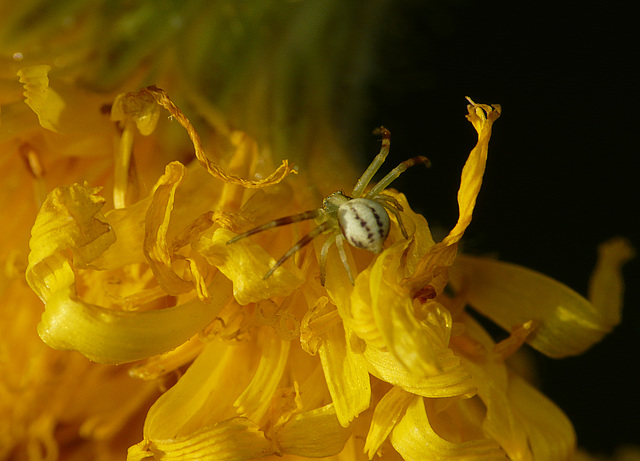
<point x="299" y="245"/>
<point x="397" y="171"/>
<point x="318" y="214"/>
<point x="373" y="168"/>
<point x="311" y="214"/>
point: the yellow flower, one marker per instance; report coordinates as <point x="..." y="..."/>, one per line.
<point x="129" y="256"/>
<point x="283" y="365"/>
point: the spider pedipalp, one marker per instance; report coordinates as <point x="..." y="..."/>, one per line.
<point x="362" y="219"/>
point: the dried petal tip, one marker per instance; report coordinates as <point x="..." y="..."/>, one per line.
<point x="40" y="97"/>
<point x="606" y="287"/>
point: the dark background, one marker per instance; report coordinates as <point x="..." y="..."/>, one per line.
<point x="562" y="173"/>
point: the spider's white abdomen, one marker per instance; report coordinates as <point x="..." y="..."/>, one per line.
<point x="364" y="223"/>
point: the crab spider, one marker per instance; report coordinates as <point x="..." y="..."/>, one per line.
<point x="362" y="219"/>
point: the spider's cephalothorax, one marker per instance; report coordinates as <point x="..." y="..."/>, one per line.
<point x="362" y="219"/>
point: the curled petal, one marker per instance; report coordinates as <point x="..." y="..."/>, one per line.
<point x="70" y="223"/>
<point x="512" y="295"/>
<point x="361" y="319"/>
<point x="452" y="380"/>
<point x="110" y="336"/>
<point x="162" y="99"/>
<point x="157" y="247"/>
<point x="179" y="420"/>
<point x="414" y="438"/>
<point x="412" y="342"/>
<point x="69" y="220"/>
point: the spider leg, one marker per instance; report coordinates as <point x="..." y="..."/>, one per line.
<point x="364" y="180"/>
<point x="323" y="257"/>
<point x="343" y="257"/>
<point x="396" y="213"/>
<point x="393" y="206"/>
<point x="393" y="174"/>
<point x="311" y="214"/>
<point x="304" y="241"/>
<point x="388" y="199"/>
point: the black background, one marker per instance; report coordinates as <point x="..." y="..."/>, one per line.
<point x="562" y="174"/>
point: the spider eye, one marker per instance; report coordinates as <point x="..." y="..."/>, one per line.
<point x="364" y="224"/>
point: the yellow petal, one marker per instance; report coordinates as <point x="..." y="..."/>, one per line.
<point x="481" y="117"/>
<point x="411" y="341"/>
<point x="387" y="413"/>
<point x="549" y="433"/>
<point x="181" y="421"/>
<point x="109" y="336"/>
<point x="203" y="396"/>
<point x="346" y="375"/>
<point x="157" y="248"/>
<point x="452" y="380"/>
<point x="245" y="263"/>
<point x="314" y="434"/>
<point x="161" y="365"/>
<point x="511" y="295"/>
<point x="233" y="440"/>
<point x="360" y="316"/>
<point x="318" y="318"/>
<point x="527" y="425"/>
<point x="414" y="438"/>
<point x="431" y="268"/>
<point x="255" y="400"/>
<point x="421" y="238"/>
